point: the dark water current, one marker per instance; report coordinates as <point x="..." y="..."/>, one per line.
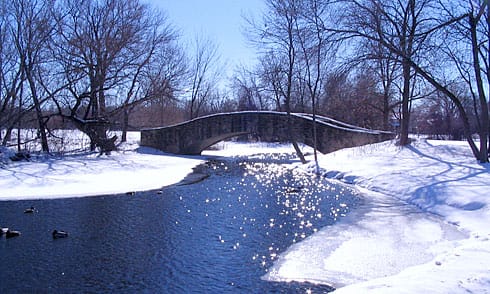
<point x="217" y="236"/>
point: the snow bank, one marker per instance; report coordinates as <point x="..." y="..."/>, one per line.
<point x="131" y="169"/>
<point x="424" y="228"/>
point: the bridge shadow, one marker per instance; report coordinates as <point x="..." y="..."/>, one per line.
<point x="153" y="151"/>
<point x="270" y="157"/>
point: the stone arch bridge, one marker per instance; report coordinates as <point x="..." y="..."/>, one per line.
<point x="193" y="136"/>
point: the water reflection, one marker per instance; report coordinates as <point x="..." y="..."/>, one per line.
<point x="279" y="203"/>
<point x="219" y="235"/>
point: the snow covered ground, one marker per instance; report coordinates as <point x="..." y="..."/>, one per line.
<point x="425" y="226"/>
<point x="439" y="243"/>
<point x="133" y="168"/>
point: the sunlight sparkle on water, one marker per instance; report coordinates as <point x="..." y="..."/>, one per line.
<point x="302" y="203"/>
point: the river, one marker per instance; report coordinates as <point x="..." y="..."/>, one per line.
<point x="221" y="234"/>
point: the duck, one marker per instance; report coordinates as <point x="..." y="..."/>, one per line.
<point x="11" y="234"/>
<point x="59" y="234"/>
<point x="3" y="230"/>
<point x="294" y="190"/>
<point x="30" y="210"/>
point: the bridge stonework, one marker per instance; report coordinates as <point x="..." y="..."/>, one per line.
<point x="196" y="135"/>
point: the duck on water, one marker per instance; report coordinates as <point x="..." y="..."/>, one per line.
<point x="59" y="234"/>
<point x="30" y="210"/>
<point x="9" y="233"/>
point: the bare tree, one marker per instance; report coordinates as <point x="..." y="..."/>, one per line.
<point x="30" y="28"/>
<point x="400" y="25"/>
<point x="11" y="77"/>
<point x="270" y="70"/>
<point x="203" y="74"/>
<point x="250" y="91"/>
<point x="471" y="26"/>
<point x="276" y="32"/>
<point x="385" y="67"/>
<point x="315" y="48"/>
<point x="405" y="30"/>
<point x="439" y="116"/>
<point x="467" y="46"/>
<point x="102" y="49"/>
<point x="157" y="73"/>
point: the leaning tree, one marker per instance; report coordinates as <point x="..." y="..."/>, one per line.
<point x="416" y="31"/>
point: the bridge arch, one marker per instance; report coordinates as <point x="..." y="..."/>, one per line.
<point x="194" y="136"/>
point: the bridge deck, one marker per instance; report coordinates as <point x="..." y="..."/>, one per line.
<point x="193" y="136"/>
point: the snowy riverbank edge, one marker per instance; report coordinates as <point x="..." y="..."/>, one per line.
<point x="129" y="170"/>
<point x="438" y="177"/>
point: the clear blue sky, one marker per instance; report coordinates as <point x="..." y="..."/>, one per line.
<point x="220" y="20"/>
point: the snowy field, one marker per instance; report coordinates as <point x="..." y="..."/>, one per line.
<point x="425" y="227"/>
<point x="131" y="169"/>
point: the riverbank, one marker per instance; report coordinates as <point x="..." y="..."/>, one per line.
<point x="437" y="177"/>
<point x="129" y="170"/>
<point x="440" y="179"/>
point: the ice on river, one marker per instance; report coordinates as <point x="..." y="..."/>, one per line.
<point x="378" y="239"/>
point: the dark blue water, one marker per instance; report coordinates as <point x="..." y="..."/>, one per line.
<point x="218" y="235"/>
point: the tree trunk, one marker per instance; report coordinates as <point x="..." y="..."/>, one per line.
<point x="386" y="112"/>
<point x="405" y="119"/>
<point x="456" y="101"/>
<point x="125" y="125"/>
<point x="19" y="141"/>
<point x="97" y="132"/>
<point x="298" y="151"/>
<point x="484" y="123"/>
<point x="39" y="114"/>
<point x="8" y="135"/>
<point x="293" y="140"/>
<point x="315" y="135"/>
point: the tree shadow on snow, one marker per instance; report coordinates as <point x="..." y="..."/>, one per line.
<point x="429" y="196"/>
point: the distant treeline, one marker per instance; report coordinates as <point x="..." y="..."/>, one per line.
<point x="412" y="66"/>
